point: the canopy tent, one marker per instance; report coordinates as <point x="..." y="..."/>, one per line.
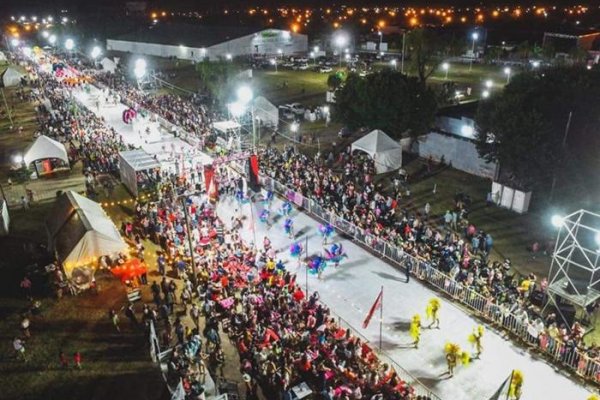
<point x="45" y="148"/>
<point x="4" y="218"/>
<point x="108" y="65"/>
<point x="226" y="127"/>
<point x="3" y="57"/>
<point x="11" y="77"/>
<point x="266" y="112"/>
<point x="79" y="232"/>
<point x="131" y="163"/>
<point x="385" y="151"/>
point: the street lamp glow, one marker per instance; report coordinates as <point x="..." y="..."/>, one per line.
<point x="475" y="36"/>
<point x="507" y="71"/>
<point x="96" y="52"/>
<point x="45" y="34"/>
<point x="294" y="127"/>
<point x="326" y="109"/>
<point x="286" y="34"/>
<point x="394" y="63"/>
<point x="237" y="109"/>
<point x="340" y="40"/>
<point x="347" y="57"/>
<point x="312" y="54"/>
<point x="244" y="95"/>
<point x="14" y="42"/>
<point x="65" y="20"/>
<point x="52" y="39"/>
<point x="489" y="83"/>
<point x="485" y="94"/>
<point x="445" y="66"/>
<point x="228" y="56"/>
<point x="50" y="18"/>
<point x="140" y="63"/>
<point x="272" y="61"/>
<point x="535" y="64"/>
<point x="69" y="44"/>
<point x="316" y="49"/>
<point x="557" y="221"/>
<point x="18" y="159"/>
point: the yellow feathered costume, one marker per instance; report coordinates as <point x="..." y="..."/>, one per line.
<point x="415" y="328"/>
<point x="514" y="391"/>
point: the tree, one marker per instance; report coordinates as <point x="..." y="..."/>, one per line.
<point x="334" y="81"/>
<point x="217" y="77"/>
<point x="386" y="100"/>
<point x="427" y="50"/>
<point x="523" y="128"/>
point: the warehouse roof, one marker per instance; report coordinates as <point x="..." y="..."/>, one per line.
<point x="189" y="35"/>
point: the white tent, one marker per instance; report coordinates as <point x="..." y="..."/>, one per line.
<point x="130" y="163"/>
<point x="79" y="232"/>
<point x="11" y="77"/>
<point x="266" y="112"/>
<point x="3" y="57"/>
<point x="4" y="218"/>
<point x="44" y="148"/>
<point x="385" y="151"/>
<point x="108" y="64"/>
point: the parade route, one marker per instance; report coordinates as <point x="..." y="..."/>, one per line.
<point x="351" y="289"/>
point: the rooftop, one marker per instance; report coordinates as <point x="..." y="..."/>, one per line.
<point x="189" y="35"/>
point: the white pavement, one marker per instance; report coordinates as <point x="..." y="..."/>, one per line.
<point x="351" y="289"/>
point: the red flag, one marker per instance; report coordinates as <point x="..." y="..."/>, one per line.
<point x="374" y="307"/>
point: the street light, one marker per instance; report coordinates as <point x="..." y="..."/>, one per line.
<point x="244" y="94"/>
<point x="274" y="62"/>
<point x="316" y="49"/>
<point x="14" y="42"/>
<point x="380" y="39"/>
<point x="485" y="94"/>
<point x="489" y="83"/>
<point x="313" y="56"/>
<point x="228" y="56"/>
<point x="394" y="63"/>
<point x="280" y="52"/>
<point x="340" y="41"/>
<point x="140" y="70"/>
<point x="96" y="52"/>
<point x="507" y="72"/>
<point x="45" y="34"/>
<point x="557" y="221"/>
<point x="446" y="67"/>
<point x="245" y="97"/>
<point x="474" y="36"/>
<point x="52" y="39"/>
<point x="69" y="44"/>
<point x="535" y="64"/>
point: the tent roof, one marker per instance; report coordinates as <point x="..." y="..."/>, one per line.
<point x="2" y="56"/>
<point x="12" y="71"/>
<point x="226" y="126"/>
<point x="266" y="111"/>
<point x="385" y="151"/>
<point x="79" y="230"/>
<point x="139" y="160"/>
<point x="376" y="141"/>
<point x="44" y="148"/>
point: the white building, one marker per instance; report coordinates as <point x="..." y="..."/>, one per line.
<point x="197" y="42"/>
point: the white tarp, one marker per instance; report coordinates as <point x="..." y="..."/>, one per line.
<point x="4" y="218"/>
<point x="108" y="65"/>
<point x="226" y="127"/>
<point x="11" y="77"/>
<point x="385" y="151"/>
<point x="44" y="148"/>
<point x="266" y="112"/>
<point x="130" y="163"/>
<point x="79" y="232"/>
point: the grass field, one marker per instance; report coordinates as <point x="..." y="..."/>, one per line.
<point x="288" y="86"/>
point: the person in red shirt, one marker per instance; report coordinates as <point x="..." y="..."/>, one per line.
<point x="77" y="360"/>
<point x="64" y="363"/>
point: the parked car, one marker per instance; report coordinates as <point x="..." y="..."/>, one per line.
<point x="286" y="112"/>
<point x="296" y="108"/>
<point x="303" y="67"/>
<point x="325" y="70"/>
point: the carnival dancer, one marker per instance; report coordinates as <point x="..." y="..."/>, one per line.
<point x="316" y="265"/>
<point x="415" y="330"/>
<point x="268" y="199"/>
<point x="288" y="226"/>
<point x="296" y="251"/>
<point x="326" y="231"/>
<point x="454" y="356"/>
<point x="335" y="254"/>
<point x="266" y="244"/>
<point x="516" y="385"/>
<point x="475" y="339"/>
<point x="264" y="217"/>
<point x="432" y="311"/>
<point x="285" y="209"/>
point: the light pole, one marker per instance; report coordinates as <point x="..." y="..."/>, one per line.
<point x="403" y="49"/>
<point x="280" y="53"/>
<point x="96" y="52"/>
<point x="246" y="96"/>
<point x="294" y="128"/>
<point x="139" y="70"/>
<point x="474" y="36"/>
<point x="446" y="67"/>
<point x="340" y="41"/>
<point x="394" y="63"/>
<point x="507" y="72"/>
<point x="312" y="55"/>
<point x="274" y="62"/>
<point x="380" y="39"/>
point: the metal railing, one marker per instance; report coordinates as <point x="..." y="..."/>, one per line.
<point x="561" y="353"/>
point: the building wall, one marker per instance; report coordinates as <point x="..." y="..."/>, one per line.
<point x="459" y="152"/>
<point x="263" y="42"/>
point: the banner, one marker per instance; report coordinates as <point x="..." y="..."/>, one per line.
<point x="253" y="173"/>
<point x="374" y="307"/>
<point x="212" y="189"/>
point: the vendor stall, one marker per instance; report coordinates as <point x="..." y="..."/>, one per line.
<point x="138" y="170"/>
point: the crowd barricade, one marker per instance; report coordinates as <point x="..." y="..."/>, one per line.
<point x="560" y="353"/>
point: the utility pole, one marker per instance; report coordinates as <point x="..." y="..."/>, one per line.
<point x="189" y="235"/>
<point x="403" y="49"/>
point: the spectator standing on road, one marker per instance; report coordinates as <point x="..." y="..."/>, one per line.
<point x="114" y="317"/>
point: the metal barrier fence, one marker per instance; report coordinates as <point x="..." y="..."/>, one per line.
<point x="561" y="353"/>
